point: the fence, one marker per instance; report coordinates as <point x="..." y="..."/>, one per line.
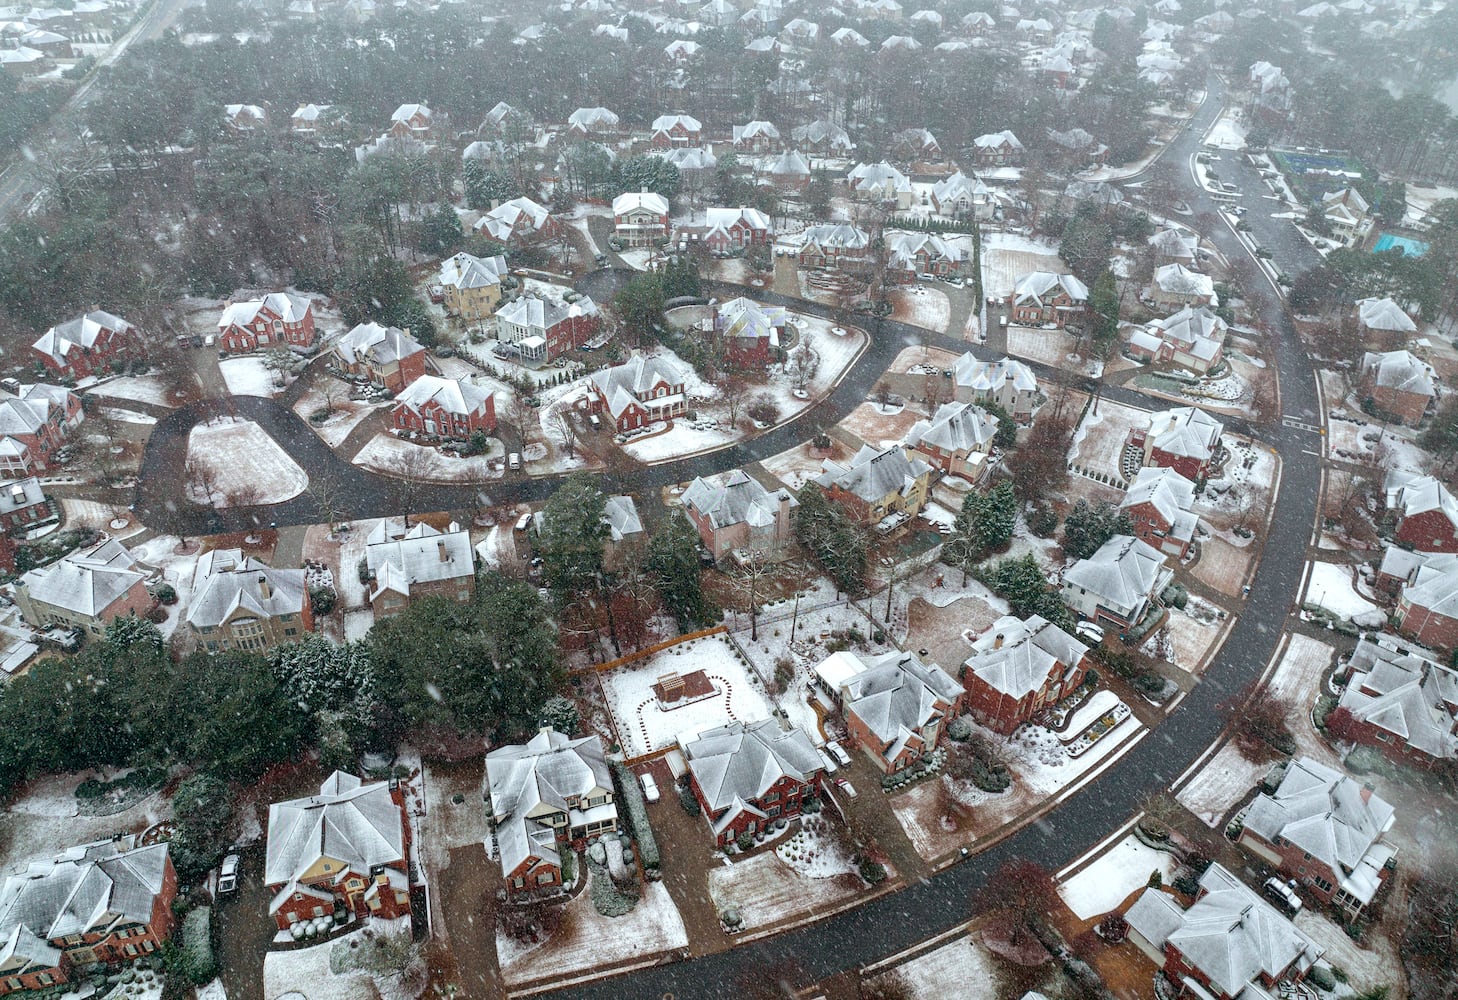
<point x="658" y="647"/>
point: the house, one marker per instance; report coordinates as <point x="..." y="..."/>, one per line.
<point x="23" y="505"/>
<point x="279" y="319"/>
<point x="1402" y="702"/>
<point x="746" y="775"/>
<point x="591" y="122"/>
<point x="444" y="407"/>
<point x="244" y="118"/>
<point x="1321" y="827"/>
<point x="885" y="488"/>
<point x="960" y="196"/>
<point x="916" y="144"/>
<point x="1427" y="600"/>
<point x="750" y="334"/>
<point x="675" y="130"/>
<point x="239" y="602"/>
<point x="640" y="218"/>
<point x="735" y="513"/>
<point x="35" y="421"/>
<point x="541" y="795"/>
<point x="1175" y="246"/>
<point x="84" y="589"/>
<point x="384" y="355"/>
<point x="409" y="564"/>
<point x="1427" y="515"/>
<point x="823" y="137"/>
<point x="756" y="137"/>
<point x="913" y="255"/>
<point x="1006" y="382"/>
<point x="691" y="161"/>
<point x="681" y="50"/>
<point x="736" y="228"/>
<point x="542" y="328"/>
<point x="412" y="121"/>
<point x="835" y="245"/>
<point x="517" y="221"/>
<point x="1176" y="286"/>
<point x="1019" y="667"/>
<point x="471" y="286"/>
<point x="88" y="345"/>
<point x="896" y="706"/>
<point x="849" y="38"/>
<point x="997" y="149"/>
<point x="344" y="850"/>
<point x="23" y="61"/>
<point x="642" y="391"/>
<point x="1230" y="944"/>
<point x="1348" y="214"/>
<point x="880" y="182"/>
<point x="957" y="440"/>
<point x="1042" y="297"/>
<point x="1384" y="318"/>
<point x="1160" y="504"/>
<point x="1118" y="583"/>
<point x="625" y="533"/>
<point x="790" y="171"/>
<point x="1184" y="438"/>
<point x="107" y="902"/>
<point x="309" y="119"/>
<point x="501" y="119"/>
<point x="1398" y="383"/>
<point x="1193" y="338"/>
<point x="1077" y="148"/>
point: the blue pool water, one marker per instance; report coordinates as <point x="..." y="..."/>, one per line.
<point x="1412" y="248"/>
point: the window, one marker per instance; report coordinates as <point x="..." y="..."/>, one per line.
<point x="1322" y="883"/>
<point x="518" y="882"/>
<point x="546" y="878"/>
<point x="45" y="979"/>
<point x="318" y="911"/>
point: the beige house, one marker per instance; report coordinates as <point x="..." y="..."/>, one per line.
<point x="471" y="286"/>
<point x="241" y="603"/>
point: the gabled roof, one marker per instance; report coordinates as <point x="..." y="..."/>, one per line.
<point x="665" y="123"/>
<point x="991" y="376"/>
<point x="688" y="157"/>
<point x="1180" y="280"/>
<point x="1185" y="431"/>
<point x="992" y="140"/>
<point x="550" y="773"/>
<point x="87" y="581"/>
<point x="905" y="247"/>
<point x="80" y="333"/>
<point x="1404" y="693"/>
<point x="633" y="201"/>
<point x="1401" y="371"/>
<point x="1037" y="285"/>
<point x="873" y="475"/>
<point x="741" y="761"/>
<point x="89" y="887"/>
<point x="1194" y="330"/>
<point x="375" y="344"/>
<point x="421" y="555"/>
<point x="740" y="499"/>
<point x="790" y="162"/>
<point x="454" y="396"/>
<point x="841" y="235"/>
<point x="357" y="825"/>
<point x="744" y="318"/>
<point x="755" y="130"/>
<point x="1017" y="657"/>
<point x="592" y="119"/>
<point x="543" y="314"/>
<point x="620" y="514"/>
<point x="1421" y="495"/>
<point x="226" y="582"/>
<point x="405" y="112"/>
<point x="897" y="691"/>
<point x="823" y="132"/>
<point x="1124" y="571"/>
<point x="877" y="177"/>
<point x="1169" y="493"/>
<point x="955" y="427"/>
<point x="464" y="271"/>
<point x="286" y="306"/>
<point x="626" y="383"/>
<point x="959" y="186"/>
<point x="502" y="221"/>
<point x="1433" y="582"/>
<point x="724" y="219"/>
<point x="1384" y="314"/>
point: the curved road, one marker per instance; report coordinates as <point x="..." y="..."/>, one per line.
<point x="893" y="922"/>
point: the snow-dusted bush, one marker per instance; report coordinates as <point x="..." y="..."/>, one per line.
<point x="608" y="898"/>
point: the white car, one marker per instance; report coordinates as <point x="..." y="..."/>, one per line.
<point x="846" y="786"/>
<point x="228" y="875"/>
<point x="838" y="752"/>
<point x="828" y="761"/>
<point x="650" y="787"/>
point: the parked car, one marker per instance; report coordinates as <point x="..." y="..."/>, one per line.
<point x="650" y="787"/>
<point x="846" y="786"/>
<point x="600" y="260"/>
<point x="1284" y="895"/>
<point x="828" y="761"/>
<point x="228" y="875"/>
<point x="838" y="752"/>
<point x="1089" y="632"/>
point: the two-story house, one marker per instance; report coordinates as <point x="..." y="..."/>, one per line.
<point x="387" y="356"/>
<point x="1007" y="382"/>
<point x="1193" y="338"/>
<point x="736" y="228"/>
<point x="756" y="137"/>
<point x="1042" y="297"/>
<point x="640" y="218"/>
<point x="1018" y="668"/>
<point x="880" y="182"/>
<point x="471" y="286"/>
<point x="84" y="589"/>
<point x="896" y="706"/>
<point x="1427" y="598"/>
<point x="959" y="196"/>
<point x="279" y="319"/>
<point x="1401" y="702"/>
<point x="822" y="137"/>
<point x="35" y="421"/>
<point x="1118" y="583"/>
<point x="880" y="488"/>
<point x="23" y="505"/>
<point x="546" y="794"/>
<point x="444" y="407"/>
<point x="746" y="775"/>
<point x="244" y="119"/>
<point x="1175" y="286"/>
<point x="88" y="345"/>
<point x="1185" y="438"/>
<point x="997" y="149"/>
<point x="1384" y="319"/>
<point x="518" y="221"/>
<point x="1160" y="505"/>
<point x="412" y="121"/>
<point x="675" y="130"/>
<point x="639" y="392"/>
<point x="586" y="122"/>
<point x="913" y="255"/>
<point x="345" y="849"/>
<point x="1325" y="830"/>
<point x="748" y="333"/>
<point x="1399" y="383"/>
<point x="408" y="564"/>
<point x="839" y="245"/>
<point x="1426" y="512"/>
<point x="733" y="512"/>
<point x="107" y="902"/>
<point x="957" y="440"/>
<point x="239" y="602"/>
<point x="542" y="328"/>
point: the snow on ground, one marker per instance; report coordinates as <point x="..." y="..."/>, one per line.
<point x="765" y="890"/>
<point x="684" y="439"/>
<point x="1298" y="682"/>
<point x="100" y="516"/>
<point x="142" y="388"/>
<point x="814" y="851"/>
<point x="247" y="377"/>
<point x="43" y="818"/>
<point x="1113" y="877"/>
<point x="1008" y="256"/>
<point x="644" y="727"/>
<point x="1051" y="347"/>
<point x="933" y="976"/>
<point x="178" y="570"/>
<point x="921" y="306"/>
<point x="637" y="258"/>
<point x="1217" y="787"/>
<point x="581" y="226"/>
<point x="357" y="624"/>
<point x="386" y="453"/>
<point x="1369" y="964"/>
<point x="1187" y="635"/>
<point x="1331" y="587"/>
<point x="1228" y="131"/>
<point x="880" y="427"/>
<point x="1421" y="198"/>
<point x="306" y="971"/>
<point x="932" y="357"/>
<point x="242" y="459"/>
<point x="1098" y="444"/>
<point x="347" y="415"/>
<point x="129" y="416"/>
<point x="796" y="466"/>
<point x="587" y="939"/>
<point x="212" y="991"/>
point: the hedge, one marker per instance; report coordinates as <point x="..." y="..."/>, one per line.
<point x="630" y="794"/>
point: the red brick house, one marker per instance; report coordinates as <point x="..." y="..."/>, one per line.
<point x="997" y="149"/>
<point x="387" y="356"/>
<point x="345" y="850"/>
<point x="1399" y="383"/>
<point x="409" y="564"/>
<point x="835" y="245"/>
<point x="1018" y="668"/>
<point x="747" y="775"/>
<point x="1427" y="515"/>
<point x="414" y="121"/>
<point x="551" y="793"/>
<point x="23" y="504"/>
<point x="444" y="407"/>
<point x="35" y="421"/>
<point x="896" y="706"/>
<point x="87" y="345"/>
<point x="1321" y="827"/>
<point x="639" y="392"/>
<point x="736" y="228"/>
<point x="279" y="319"/>
<point x="1160" y="505"/>
<point x="675" y="130"/>
<point x="749" y="333"/>
<point x="1400" y="702"/>
<point x="84" y="589"/>
<point x="107" y="902"/>
<point x="543" y="328"/>
<point x="1042" y="297"/>
<point x="1185" y="439"/>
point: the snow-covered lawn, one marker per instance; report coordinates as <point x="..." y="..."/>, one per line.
<point x="934" y="975"/>
<point x="1115" y="875"/>
<point x="43" y="818"/>
<point x="1228" y="131"/>
<point x="683" y="439"/>
<point x="1331" y="587"/>
<point x="1098" y="444"/>
<point x="347" y="415"/>
<point x="1051" y="347"/>
<point x="248" y="377"/>
<point x="388" y="453"/>
<point x="814" y="851"/>
<point x="127" y="416"/>
<point x="797" y="466"/>
<point x="881" y="427"/>
<point x="1008" y="256"/>
<point x="587" y="939"/>
<point x="1224" y="562"/>
<point x="1298" y="682"/>
<point x="909" y="360"/>
<point x="100" y="516"/>
<point x="307" y="972"/>
<point x="247" y="466"/>
<point x="1373" y="962"/>
<point x="766" y="890"/>
<point x="1225" y="779"/>
<point x="644" y="727"/>
<point x="1190" y="635"/>
<point x="922" y="306"/>
<point x="143" y="388"/>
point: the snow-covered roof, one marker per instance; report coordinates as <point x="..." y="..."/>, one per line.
<point x="622" y="385"/>
<point x="873" y="474"/>
<point x="1124" y="572"/>
<point x="1421" y="494"/>
<point x="405" y="112"/>
<point x="994" y="140"/>
<point x="86" y="888"/>
<point x="226" y="582"/>
<point x="755" y="130"/>
<point x="358" y="825"/>
<point x="421" y="555"/>
<point x="371" y="343"/>
<point x="1018" y="656"/>
<point x="502" y="221"/>
<point x="85" y="582"/>
<point x="286" y="306"/>
<point x="1170" y="494"/>
<point x="740" y="499"/>
<point x="462" y="270"/>
<point x="666" y="123"/>
<point x="646" y="201"/>
<point x="791" y="162"/>
<point x="1404" y="693"/>
<point x="823" y="132"/>
<point x="989" y="377"/>
<point x="955" y="427"/>
<point x="1384" y="314"/>
<point x="1177" y="279"/>
<point x="841" y="235"/>
<point x="452" y="395"/>
<point x="542" y="314"/>
<point x="877" y="177"/>
<point x="741" y="761"/>
<point x="1037" y="285"/>
<point x="620" y="514"/>
<point x="80" y="333"/>
<point x="1401" y="371"/>
<point x="895" y="692"/>
<point x="550" y="773"/>
<point x="1185" y="431"/>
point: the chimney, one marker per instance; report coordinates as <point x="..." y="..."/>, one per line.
<point x="997" y="641"/>
<point x="264" y="590"/>
<point x="441" y="548"/>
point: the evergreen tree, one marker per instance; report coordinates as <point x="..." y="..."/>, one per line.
<point x="835" y="541"/>
<point x="649" y="173"/>
<point x="485" y="187"/>
<point x="673" y="565"/>
<point x="572" y="536"/>
<point x="1021" y="583"/>
<point x="1104" y="299"/>
<point x="987" y="520"/>
<point x="1086" y="527"/>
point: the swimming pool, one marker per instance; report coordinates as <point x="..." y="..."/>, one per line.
<point x="1412" y="248"/>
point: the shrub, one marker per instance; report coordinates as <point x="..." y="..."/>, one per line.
<point x="607" y="897"/>
<point x="323" y="599"/>
<point x="1187" y="883"/>
<point x="1156" y="879"/>
<point x="873" y="872"/>
<point x="744" y="841"/>
<point x="1321" y="977"/>
<point x="959" y="730"/>
<point x="630" y="794"/>
<point x="165" y="593"/>
<point x="193" y="961"/>
<point x="569" y="867"/>
<point x="1113" y="928"/>
<point x="687" y="800"/>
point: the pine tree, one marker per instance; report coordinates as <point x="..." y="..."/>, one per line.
<point x="673" y="565"/>
<point x="572" y="536"/>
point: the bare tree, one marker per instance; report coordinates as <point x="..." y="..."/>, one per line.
<point x="520" y="417"/>
<point x="245" y="495"/>
<point x="203" y="477"/>
<point x="332" y="390"/>
<point x="412" y="470"/>
<point x="328" y="493"/>
<point x="750" y="569"/>
<point x="564" y="430"/>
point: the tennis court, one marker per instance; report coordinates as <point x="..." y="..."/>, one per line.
<point x="1411" y="248"/>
